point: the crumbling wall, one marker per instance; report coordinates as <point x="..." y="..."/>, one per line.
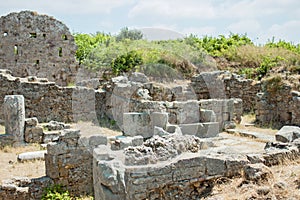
<point x="277" y="104"/>
<point x="69" y="161"/>
<point x="224" y="85"/>
<point x="37" y="45"/>
<point x="48" y="101"/>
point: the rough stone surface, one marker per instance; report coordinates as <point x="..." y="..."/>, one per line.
<point x="23" y="188"/>
<point x="137" y="124"/>
<point x="47" y="101"/>
<point x="288" y="134"/>
<point x="277" y="104"/>
<point x="33" y="132"/>
<point x="14" y="110"/>
<point x="258" y="173"/>
<point x="224" y="85"/>
<point x="37" y="45"/>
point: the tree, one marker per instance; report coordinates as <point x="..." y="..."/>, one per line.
<point x="129" y="34"/>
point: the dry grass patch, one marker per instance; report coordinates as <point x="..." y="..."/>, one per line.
<point x="2" y="129"/>
<point x="285" y="184"/>
<point x="252" y="56"/>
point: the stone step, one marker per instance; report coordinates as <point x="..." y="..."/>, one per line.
<point x="202" y="130"/>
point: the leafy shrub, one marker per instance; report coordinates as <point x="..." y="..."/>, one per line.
<point x="250" y="73"/>
<point x="218" y="46"/>
<point x="56" y="192"/>
<point x="267" y="64"/>
<point x="126" y="62"/>
<point x="87" y="42"/>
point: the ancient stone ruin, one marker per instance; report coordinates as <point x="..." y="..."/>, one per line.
<point x="37" y="45"/>
<point x="171" y="142"/>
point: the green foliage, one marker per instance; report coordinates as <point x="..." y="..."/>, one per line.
<point x="173" y="53"/>
<point x="126" y="62"/>
<point x="56" y="192"/>
<point x="129" y="34"/>
<point x="250" y="73"/>
<point x="267" y="64"/>
<point x="218" y="46"/>
<point x="87" y="42"/>
<point x="285" y="45"/>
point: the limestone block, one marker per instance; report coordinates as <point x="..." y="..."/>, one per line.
<point x="137" y="124"/>
<point x="33" y="134"/>
<point x="288" y="134"/>
<point x="36" y="155"/>
<point x="211" y="129"/>
<point x="14" y="111"/>
<point x="159" y="119"/>
<point x="187" y="112"/>
<point x="207" y="116"/>
<point x="138" y="77"/>
<point x="191" y="129"/>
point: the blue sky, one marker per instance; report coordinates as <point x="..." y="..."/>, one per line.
<point x="260" y="19"/>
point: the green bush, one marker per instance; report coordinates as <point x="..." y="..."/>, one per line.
<point x="126" y="62"/>
<point x="86" y="43"/>
<point x="56" y="192"/>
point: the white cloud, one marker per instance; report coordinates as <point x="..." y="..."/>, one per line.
<point x="63" y="6"/>
<point x="288" y="31"/>
<point x="246" y="26"/>
<point x="257" y="8"/>
<point x="174" y="9"/>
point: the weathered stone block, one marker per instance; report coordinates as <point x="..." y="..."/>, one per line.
<point x="159" y="119"/>
<point x="14" y="111"/>
<point x="137" y="124"/>
<point x="288" y="134"/>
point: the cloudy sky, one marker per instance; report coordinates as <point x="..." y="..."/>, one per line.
<point x="260" y="19"/>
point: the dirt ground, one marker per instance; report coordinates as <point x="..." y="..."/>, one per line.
<point x="10" y="167"/>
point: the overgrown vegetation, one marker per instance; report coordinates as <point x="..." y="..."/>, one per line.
<point x="127" y="51"/>
<point x="57" y="192"/>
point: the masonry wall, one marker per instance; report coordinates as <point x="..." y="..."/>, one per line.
<point x="69" y="161"/>
<point x="224" y="85"/>
<point x="278" y="106"/>
<point x="48" y="101"/>
<point x="37" y="45"/>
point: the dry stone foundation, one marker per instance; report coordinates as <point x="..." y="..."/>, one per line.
<point x="37" y="45"/>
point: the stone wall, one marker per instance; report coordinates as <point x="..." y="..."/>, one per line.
<point x="37" y="45"/>
<point x="224" y="85"/>
<point x="277" y="104"/>
<point x="48" y="101"/>
<point x="69" y="161"/>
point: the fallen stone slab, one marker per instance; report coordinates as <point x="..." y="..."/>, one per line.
<point x="35" y="155"/>
<point x="251" y="134"/>
<point x="288" y="134"/>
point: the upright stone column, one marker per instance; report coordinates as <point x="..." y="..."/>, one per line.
<point x="14" y="112"/>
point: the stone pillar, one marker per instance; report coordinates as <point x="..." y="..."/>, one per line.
<point x="14" y="112"/>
